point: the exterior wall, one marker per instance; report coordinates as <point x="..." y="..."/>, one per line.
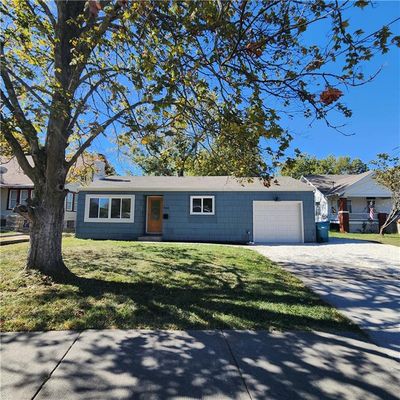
<point x="359" y="216"/>
<point x="70" y="221"/>
<point x="232" y="222"/>
<point x="359" y="205"/>
<point x="4" y="213"/>
<point x="3" y="201"/>
<point x="323" y="212"/>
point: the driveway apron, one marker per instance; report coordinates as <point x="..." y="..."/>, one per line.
<point x="361" y="279"/>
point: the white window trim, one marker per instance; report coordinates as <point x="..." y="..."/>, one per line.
<point x="109" y="219"/>
<point x="202" y="198"/>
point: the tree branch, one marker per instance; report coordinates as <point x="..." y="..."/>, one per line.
<point x="32" y="10"/>
<point x="26" y="126"/>
<point x="83" y="101"/>
<point x="29" y="88"/>
<point x="100" y="129"/>
<point x="48" y="12"/>
<point x="85" y="52"/>
<point x="17" y="149"/>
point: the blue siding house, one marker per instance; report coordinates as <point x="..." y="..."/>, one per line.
<point x="200" y="209"/>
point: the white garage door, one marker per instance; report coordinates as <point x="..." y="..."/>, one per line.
<point x="278" y="222"/>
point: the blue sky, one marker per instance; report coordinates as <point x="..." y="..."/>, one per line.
<point x="375" y="124"/>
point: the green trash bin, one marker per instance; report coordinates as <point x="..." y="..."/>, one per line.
<point x="322" y="232"/>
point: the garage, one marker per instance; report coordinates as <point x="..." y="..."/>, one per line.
<point x="278" y="222"/>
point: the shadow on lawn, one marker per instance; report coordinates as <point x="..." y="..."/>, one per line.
<point x="240" y="295"/>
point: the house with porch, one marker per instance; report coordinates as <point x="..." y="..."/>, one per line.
<point x="16" y="188"/>
<point x="353" y="203"/>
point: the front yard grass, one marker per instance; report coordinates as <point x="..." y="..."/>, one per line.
<point x="160" y="286"/>
<point x="4" y="233"/>
<point x="388" y="238"/>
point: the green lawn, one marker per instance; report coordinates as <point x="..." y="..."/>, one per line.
<point x="168" y="286"/>
<point x="391" y="238"/>
<point x="4" y="233"/>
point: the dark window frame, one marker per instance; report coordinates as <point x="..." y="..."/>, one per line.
<point x="349" y="205"/>
<point x="30" y="190"/>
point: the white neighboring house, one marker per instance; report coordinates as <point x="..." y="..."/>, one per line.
<point x="16" y="188"/>
<point x="364" y="199"/>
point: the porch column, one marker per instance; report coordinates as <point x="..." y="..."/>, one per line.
<point x="343" y="215"/>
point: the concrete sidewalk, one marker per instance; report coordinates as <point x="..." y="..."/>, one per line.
<point x="140" y="364"/>
<point x="13" y="239"/>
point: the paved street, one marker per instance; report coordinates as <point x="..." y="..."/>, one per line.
<point x="361" y="279"/>
<point x="138" y="364"/>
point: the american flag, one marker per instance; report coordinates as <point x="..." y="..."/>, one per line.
<point x="371" y="212"/>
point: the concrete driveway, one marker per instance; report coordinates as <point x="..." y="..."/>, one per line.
<point x="152" y="365"/>
<point x="360" y="278"/>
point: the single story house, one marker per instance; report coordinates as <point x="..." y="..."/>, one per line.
<point x="356" y="203"/>
<point x="16" y="188"/>
<point x="196" y="208"/>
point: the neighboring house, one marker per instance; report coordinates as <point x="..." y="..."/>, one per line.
<point x="202" y="209"/>
<point x="355" y="202"/>
<point x="16" y="188"/>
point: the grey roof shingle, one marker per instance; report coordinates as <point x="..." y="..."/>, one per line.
<point x="194" y="183"/>
<point x="334" y="184"/>
<point x="11" y="174"/>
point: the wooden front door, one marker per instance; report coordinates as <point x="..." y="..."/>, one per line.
<point x="154" y="214"/>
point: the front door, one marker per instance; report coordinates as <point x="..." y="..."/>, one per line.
<point x="154" y="214"/>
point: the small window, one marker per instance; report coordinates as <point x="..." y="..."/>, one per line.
<point x="94" y="208"/>
<point x="317" y="208"/>
<point x="202" y="205"/>
<point x="23" y="196"/>
<point x="12" y="198"/>
<point x="69" y="202"/>
<point x="126" y="208"/>
<point x="349" y="206"/>
<point x="116" y="208"/>
<point x="103" y="208"/>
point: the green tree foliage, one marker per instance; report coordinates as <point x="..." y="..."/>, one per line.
<point x="75" y="70"/>
<point x="225" y="147"/>
<point x="305" y="164"/>
<point x="387" y="173"/>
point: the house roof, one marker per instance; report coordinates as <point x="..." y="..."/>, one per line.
<point x="331" y="185"/>
<point x="194" y="183"/>
<point x="11" y="174"/>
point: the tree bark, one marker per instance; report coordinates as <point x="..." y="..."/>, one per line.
<point x="45" y="252"/>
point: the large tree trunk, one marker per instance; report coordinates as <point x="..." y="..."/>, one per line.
<point x="45" y="252"/>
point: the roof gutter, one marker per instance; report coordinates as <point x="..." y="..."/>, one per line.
<point x="161" y="189"/>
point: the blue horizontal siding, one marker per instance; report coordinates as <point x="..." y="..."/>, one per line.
<point x="232" y="222"/>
